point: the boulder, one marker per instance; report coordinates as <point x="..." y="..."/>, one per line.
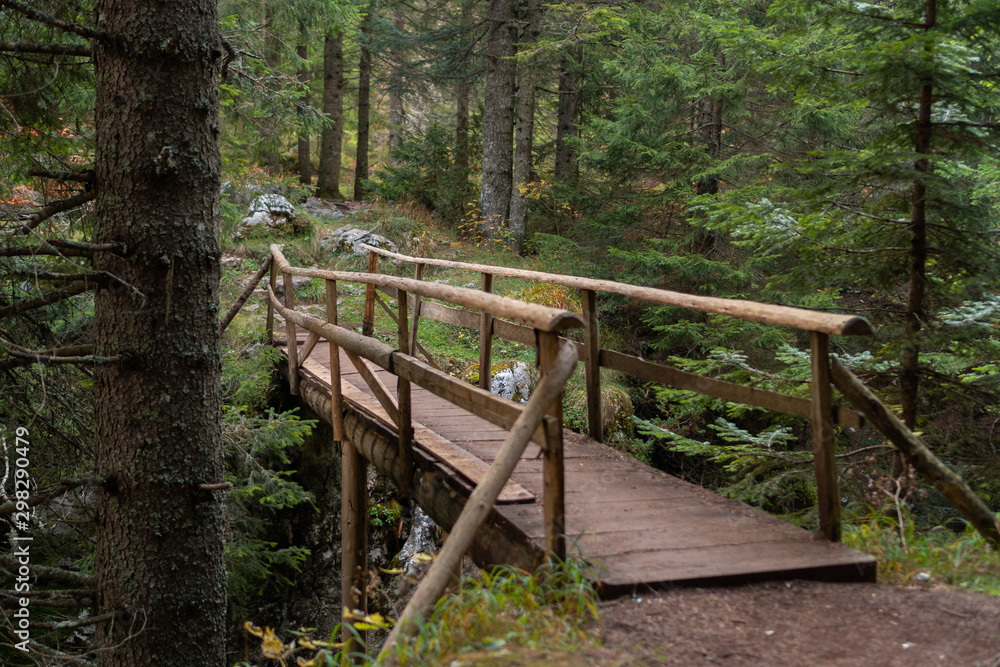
<point x="513" y="382"/>
<point x="274" y="204"/>
<point x="349" y="239"/>
<point x="268" y="212"/>
<point x="240" y="194"/>
<point x="320" y="208"/>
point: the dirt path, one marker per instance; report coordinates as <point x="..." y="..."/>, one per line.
<point x="801" y="623"/>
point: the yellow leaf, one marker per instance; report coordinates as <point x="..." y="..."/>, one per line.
<point x="271" y="646"/>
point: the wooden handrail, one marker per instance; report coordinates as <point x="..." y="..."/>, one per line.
<point x="494" y="409"/>
<point x="533" y="315"/>
<point x="819" y="408"/>
<point x="245" y="294"/>
<point x="766" y="313"/>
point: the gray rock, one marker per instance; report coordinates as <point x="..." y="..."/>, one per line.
<point x="320" y="209"/>
<point x="513" y="383"/>
<point x="420" y="541"/>
<point x="240" y="194"/>
<point x="298" y="283"/>
<point x="274" y="204"/>
<point x="268" y="212"/>
<point x="348" y="239"/>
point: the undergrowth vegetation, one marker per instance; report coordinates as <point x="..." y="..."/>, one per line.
<point x="500" y="617"/>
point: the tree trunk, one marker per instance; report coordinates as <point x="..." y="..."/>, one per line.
<point x="364" y="107"/>
<point x="331" y="139"/>
<point x="397" y="114"/>
<point x="305" y="162"/>
<point x="462" y="106"/>
<point x="269" y="135"/>
<point x="159" y="560"/>
<point x="498" y="121"/>
<point x="524" y="130"/>
<point x="566" y="169"/>
<point x="910" y="379"/>
<point x="708" y="124"/>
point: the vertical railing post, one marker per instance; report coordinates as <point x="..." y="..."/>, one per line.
<point x="368" y="319"/>
<point x="415" y="317"/>
<point x="486" y="339"/>
<point x="292" y="342"/>
<point x="270" y="306"/>
<point x="827" y="493"/>
<point x="554" y="501"/>
<point x="592" y="364"/>
<point x="403" y="402"/>
<point x="353" y="480"/>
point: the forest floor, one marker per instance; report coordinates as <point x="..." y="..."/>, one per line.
<point x="799" y="623"/>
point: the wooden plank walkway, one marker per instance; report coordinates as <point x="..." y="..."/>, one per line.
<point x="640" y="527"/>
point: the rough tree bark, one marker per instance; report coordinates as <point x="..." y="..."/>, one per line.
<point x="524" y="128"/>
<point x="331" y="139"/>
<point x="159" y="561"/>
<point x="498" y="120"/>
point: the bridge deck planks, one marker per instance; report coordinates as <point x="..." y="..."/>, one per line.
<point x="641" y="527"/>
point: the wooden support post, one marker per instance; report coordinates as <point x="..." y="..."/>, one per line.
<point x="405" y="424"/>
<point x="354" y="540"/>
<point x="552" y="459"/>
<point x="592" y="364"/>
<point x="368" y="319"/>
<point x="486" y="339"/>
<point x="828" y="496"/>
<point x="292" y="342"/>
<point x="270" y="306"/>
<point x="479" y="504"/>
<point x="415" y="316"/>
<point x="336" y="395"/>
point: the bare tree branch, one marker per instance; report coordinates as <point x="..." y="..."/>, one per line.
<point x="54" y="491"/>
<point x="74" y="623"/>
<point x="85" y="176"/>
<point x="46" y="299"/>
<point x="49" y="275"/>
<point x="52" y="209"/>
<point x="49" y="573"/>
<point x="51" y="49"/>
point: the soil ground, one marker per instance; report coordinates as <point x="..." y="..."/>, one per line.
<point x="800" y="623"/>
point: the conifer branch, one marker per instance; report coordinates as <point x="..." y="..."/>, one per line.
<point x="52" y="209"/>
<point x="84" y="176"/>
<point x="54" y="491"/>
<point x="42" y="17"/>
<point x="45" y="573"/>
<point x="46" y="299"/>
<point x="49" y="49"/>
<point x="49" y="275"/>
<point x="74" y="623"/>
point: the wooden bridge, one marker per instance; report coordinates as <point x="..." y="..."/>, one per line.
<point x="505" y="479"/>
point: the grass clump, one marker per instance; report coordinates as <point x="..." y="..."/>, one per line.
<point x="907" y="556"/>
<point x="507" y="615"/>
